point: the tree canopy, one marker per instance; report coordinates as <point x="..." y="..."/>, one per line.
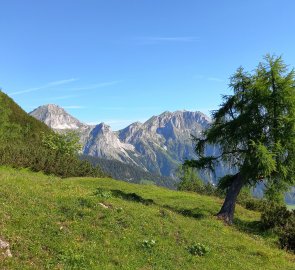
<point x="255" y="130"/>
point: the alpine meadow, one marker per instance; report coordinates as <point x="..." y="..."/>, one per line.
<point x="147" y="135"/>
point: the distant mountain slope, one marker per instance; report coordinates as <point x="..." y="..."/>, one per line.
<point x="60" y="121"/>
<point x="159" y="145"/>
<point x="164" y="141"/>
<point x="103" y="142"/>
<point x="131" y="173"/>
<point x="56" y="117"/>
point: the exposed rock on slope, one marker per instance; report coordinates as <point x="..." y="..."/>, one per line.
<point x="159" y="145"/>
<point x="164" y="141"/>
<point x="56" y="117"/>
<point x="59" y="120"/>
<point x="103" y="142"/>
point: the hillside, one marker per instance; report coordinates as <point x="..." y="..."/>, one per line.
<point x="14" y="114"/>
<point x="88" y="223"/>
<point x="28" y="143"/>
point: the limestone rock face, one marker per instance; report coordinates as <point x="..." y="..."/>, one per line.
<point x="159" y="145"/>
<point x="56" y="118"/>
<point x="103" y="142"/>
<point x="59" y="120"/>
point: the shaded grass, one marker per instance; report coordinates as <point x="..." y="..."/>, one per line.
<point x="87" y="223"/>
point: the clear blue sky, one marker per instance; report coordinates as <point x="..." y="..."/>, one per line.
<point x="121" y="61"/>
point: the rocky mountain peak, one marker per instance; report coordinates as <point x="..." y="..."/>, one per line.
<point x="56" y="117"/>
<point x="129" y="132"/>
<point x="158" y="145"/>
<point x="101" y="129"/>
<point x="178" y="120"/>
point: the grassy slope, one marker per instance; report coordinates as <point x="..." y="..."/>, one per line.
<point x="59" y="224"/>
<point x="20" y="117"/>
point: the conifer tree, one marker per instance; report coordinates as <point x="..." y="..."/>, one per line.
<point x="255" y="130"/>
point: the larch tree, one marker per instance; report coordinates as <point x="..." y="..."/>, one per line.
<point x="255" y="130"/>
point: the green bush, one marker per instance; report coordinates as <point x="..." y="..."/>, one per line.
<point x="189" y="179"/>
<point x="281" y="221"/>
<point x="247" y="200"/>
<point x="47" y="161"/>
<point x="275" y="216"/>
<point x="287" y="234"/>
<point x="198" y="249"/>
<point x="106" y="194"/>
<point x="254" y="204"/>
<point x="66" y="144"/>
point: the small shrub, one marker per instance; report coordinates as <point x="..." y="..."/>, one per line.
<point x="119" y="210"/>
<point x="275" y="216"/>
<point x="253" y="204"/>
<point x="105" y="194"/>
<point x="148" y="244"/>
<point x="198" y="249"/>
<point x="287" y="234"/>
<point x="247" y="200"/>
<point x="211" y="190"/>
<point x="282" y="221"/>
<point x="189" y="179"/>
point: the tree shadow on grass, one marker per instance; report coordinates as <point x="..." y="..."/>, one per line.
<point x="131" y="197"/>
<point x="250" y="227"/>
<point x="196" y="213"/>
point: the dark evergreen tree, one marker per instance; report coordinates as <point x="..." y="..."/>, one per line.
<point x="255" y="129"/>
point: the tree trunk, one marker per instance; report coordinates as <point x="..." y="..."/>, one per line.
<point x="228" y="208"/>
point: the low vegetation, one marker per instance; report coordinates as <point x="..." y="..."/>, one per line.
<point x="26" y="142"/>
<point x="91" y="223"/>
<point x="282" y="221"/>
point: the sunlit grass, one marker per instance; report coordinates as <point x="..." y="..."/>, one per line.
<point x="86" y="223"/>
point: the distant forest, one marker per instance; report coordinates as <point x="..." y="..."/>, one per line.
<point x="130" y="173"/>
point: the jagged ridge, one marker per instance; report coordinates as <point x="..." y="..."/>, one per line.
<point x="159" y="145"/>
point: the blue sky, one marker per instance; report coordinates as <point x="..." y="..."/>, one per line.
<point x="121" y="61"/>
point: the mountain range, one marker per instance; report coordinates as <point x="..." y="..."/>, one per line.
<point x="157" y="146"/>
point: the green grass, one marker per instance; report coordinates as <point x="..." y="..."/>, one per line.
<point x="291" y="207"/>
<point x="54" y="223"/>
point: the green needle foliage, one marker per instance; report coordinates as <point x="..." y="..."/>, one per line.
<point x="255" y="129"/>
